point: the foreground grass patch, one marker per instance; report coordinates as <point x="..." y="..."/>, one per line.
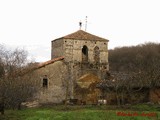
<point x="81" y="113"/>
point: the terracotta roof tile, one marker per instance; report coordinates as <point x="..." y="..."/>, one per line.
<point x="82" y="35"/>
<point x="50" y="61"/>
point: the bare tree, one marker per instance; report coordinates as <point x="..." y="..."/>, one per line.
<point x="141" y="65"/>
<point x="15" y="86"/>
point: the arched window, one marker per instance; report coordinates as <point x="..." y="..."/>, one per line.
<point x="96" y="55"/>
<point x="85" y="54"/>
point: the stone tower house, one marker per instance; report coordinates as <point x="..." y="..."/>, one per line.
<point x="83" y="54"/>
<point x="78" y="62"/>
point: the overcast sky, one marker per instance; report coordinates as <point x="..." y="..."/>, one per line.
<point x="33" y="24"/>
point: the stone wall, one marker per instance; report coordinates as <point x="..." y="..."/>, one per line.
<point x="57" y="48"/>
<point x="155" y="95"/>
<point x="55" y="74"/>
<point x="68" y="50"/>
<point x="72" y="52"/>
<point x="74" y="49"/>
<point x="75" y="66"/>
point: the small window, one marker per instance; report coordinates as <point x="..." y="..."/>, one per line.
<point x="45" y="82"/>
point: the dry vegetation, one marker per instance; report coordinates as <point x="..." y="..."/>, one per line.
<point x="15" y="87"/>
<point x="133" y="72"/>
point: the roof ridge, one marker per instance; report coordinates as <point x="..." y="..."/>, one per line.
<point x="82" y="35"/>
<point x="50" y="61"/>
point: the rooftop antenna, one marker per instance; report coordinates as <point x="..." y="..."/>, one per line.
<point x="80" y="25"/>
<point x="86" y="24"/>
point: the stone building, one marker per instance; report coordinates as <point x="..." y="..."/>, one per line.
<point x="78" y="61"/>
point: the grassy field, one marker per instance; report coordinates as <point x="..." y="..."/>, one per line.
<point x="141" y="112"/>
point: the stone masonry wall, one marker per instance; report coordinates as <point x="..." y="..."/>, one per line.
<point x="155" y="95"/>
<point x="55" y="92"/>
<point x="75" y="49"/>
<point x="72" y="52"/>
<point x="72" y="49"/>
<point x="57" y="48"/>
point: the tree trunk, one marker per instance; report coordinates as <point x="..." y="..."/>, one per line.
<point x="2" y="108"/>
<point x="118" y="100"/>
<point x="19" y="106"/>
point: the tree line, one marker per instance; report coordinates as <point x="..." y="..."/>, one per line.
<point x="143" y="59"/>
<point x="133" y="71"/>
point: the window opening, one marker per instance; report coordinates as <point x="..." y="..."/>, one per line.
<point x="84" y="53"/>
<point x="45" y="82"/>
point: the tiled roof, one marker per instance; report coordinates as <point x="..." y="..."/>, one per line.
<point x="82" y="35"/>
<point x="50" y="61"/>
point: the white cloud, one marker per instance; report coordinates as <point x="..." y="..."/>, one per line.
<point x="39" y="53"/>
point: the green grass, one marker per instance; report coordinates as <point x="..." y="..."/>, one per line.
<point x="80" y="113"/>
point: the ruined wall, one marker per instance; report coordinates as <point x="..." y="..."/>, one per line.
<point x="73" y="53"/>
<point x="126" y="98"/>
<point x="74" y="47"/>
<point x="76" y="67"/>
<point x="86" y="90"/>
<point x="68" y="50"/>
<point x="155" y="95"/>
<point x="57" y="48"/>
<point x="55" y="91"/>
